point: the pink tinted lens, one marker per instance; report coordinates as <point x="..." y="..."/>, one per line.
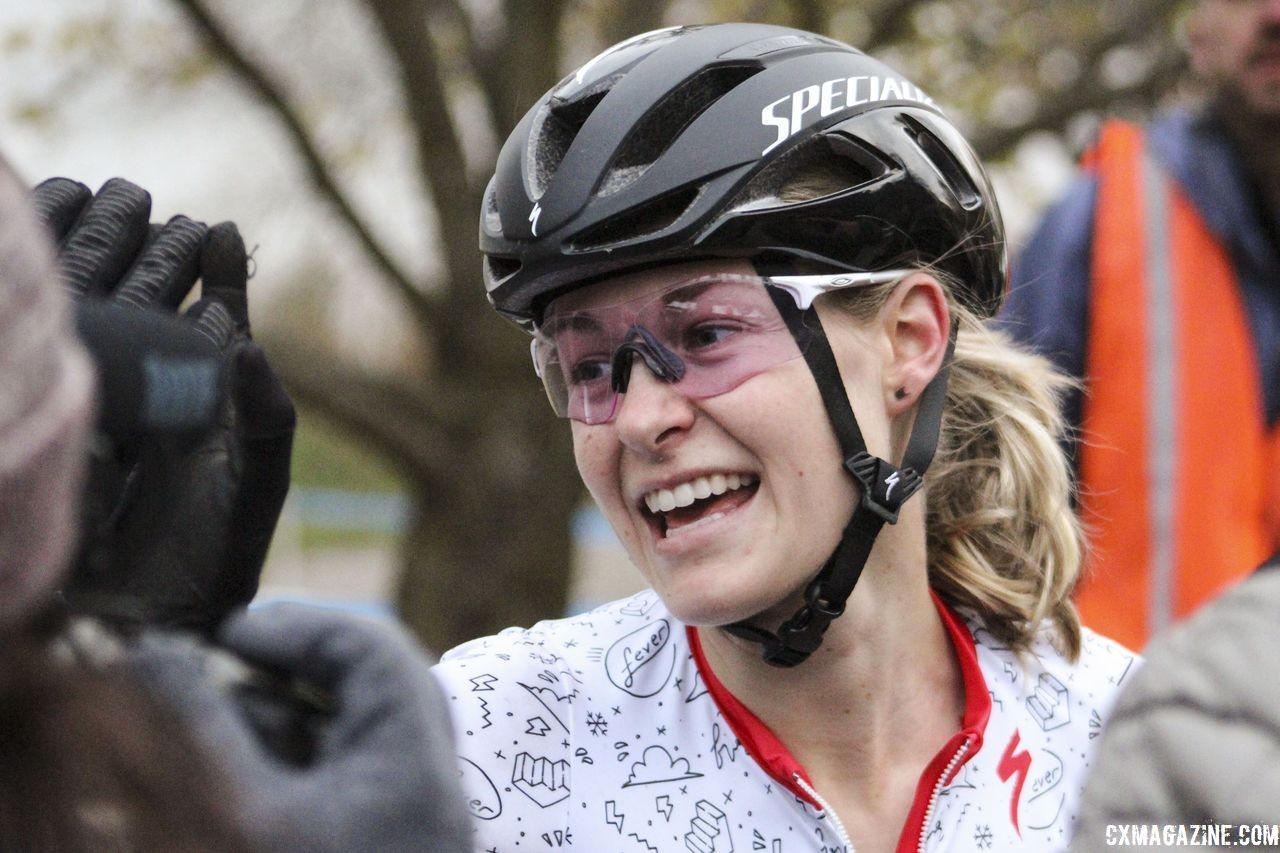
<point x="724" y="329"/>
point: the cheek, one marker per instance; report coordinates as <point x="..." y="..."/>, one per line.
<point x="590" y="452"/>
<point x="597" y="453"/>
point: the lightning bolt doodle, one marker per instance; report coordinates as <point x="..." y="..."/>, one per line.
<point x="612" y="817"/>
<point x="537" y="726"/>
<point x="1012" y="763"/>
<point x="664" y="806"/>
<point x="482" y="683"/>
<point x="644" y="841"/>
<point x="554" y="702"/>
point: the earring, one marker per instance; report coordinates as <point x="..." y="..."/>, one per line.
<point x="900" y="394"/>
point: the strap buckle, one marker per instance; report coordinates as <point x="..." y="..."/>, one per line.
<point x="885" y="487"/>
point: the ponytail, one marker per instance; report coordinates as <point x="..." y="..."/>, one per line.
<point x="1003" y="538"/>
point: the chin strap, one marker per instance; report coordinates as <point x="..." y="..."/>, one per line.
<point x="884" y="488"/>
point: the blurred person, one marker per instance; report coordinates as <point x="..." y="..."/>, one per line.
<point x="114" y="734"/>
<point x="87" y="762"/>
<point x="1193" y="739"/>
<point x="1155" y="281"/>
<point x="756" y="265"/>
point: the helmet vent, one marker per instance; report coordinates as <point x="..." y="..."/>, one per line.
<point x="499" y="268"/>
<point x="956" y="175"/>
<point x="640" y="221"/>
<point x="821" y="167"/>
<point x="655" y="133"/>
<point x="555" y="127"/>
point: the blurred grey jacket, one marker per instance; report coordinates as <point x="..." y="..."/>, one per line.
<point x="46" y="387"/>
<point x="1196" y="736"/>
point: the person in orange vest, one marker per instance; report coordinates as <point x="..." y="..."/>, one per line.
<point x="1156" y="280"/>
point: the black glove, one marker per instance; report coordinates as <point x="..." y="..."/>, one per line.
<point x="381" y="774"/>
<point x="195" y="433"/>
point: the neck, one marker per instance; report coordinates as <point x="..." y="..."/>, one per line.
<point x="875" y="682"/>
<point x="1254" y="137"/>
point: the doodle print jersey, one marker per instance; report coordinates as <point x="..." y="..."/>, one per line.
<point x="608" y="732"/>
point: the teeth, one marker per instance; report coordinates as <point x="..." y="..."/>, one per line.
<point x="700" y="488"/>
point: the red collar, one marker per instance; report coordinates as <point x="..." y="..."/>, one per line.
<point x="771" y="754"/>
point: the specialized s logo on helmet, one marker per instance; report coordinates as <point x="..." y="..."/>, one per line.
<point x="791" y="112"/>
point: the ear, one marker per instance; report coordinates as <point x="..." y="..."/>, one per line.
<point x="916" y="323"/>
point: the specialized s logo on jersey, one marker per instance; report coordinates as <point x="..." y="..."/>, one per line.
<point x="790" y="113"/>
<point x="1014" y="764"/>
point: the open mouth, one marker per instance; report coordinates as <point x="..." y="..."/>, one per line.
<point x="699" y="501"/>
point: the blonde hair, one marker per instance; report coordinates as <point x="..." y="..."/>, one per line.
<point x="1003" y="538"/>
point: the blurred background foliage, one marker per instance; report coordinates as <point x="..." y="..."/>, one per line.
<point x="352" y="141"/>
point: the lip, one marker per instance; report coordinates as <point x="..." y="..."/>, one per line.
<point x="705" y="530"/>
<point x="671" y="481"/>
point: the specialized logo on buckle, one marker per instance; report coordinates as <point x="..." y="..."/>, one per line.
<point x="878" y="479"/>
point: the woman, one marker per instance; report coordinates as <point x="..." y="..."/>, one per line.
<point x="728" y="241"/>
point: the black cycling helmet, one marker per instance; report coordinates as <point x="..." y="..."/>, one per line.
<point x="679" y="144"/>
<point x="674" y="143"/>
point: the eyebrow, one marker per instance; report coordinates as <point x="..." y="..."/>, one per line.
<point x="577" y="322"/>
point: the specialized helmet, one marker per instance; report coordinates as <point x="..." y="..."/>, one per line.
<point x="674" y="144"/>
<point x="759" y="142"/>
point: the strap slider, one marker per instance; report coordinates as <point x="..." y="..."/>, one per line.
<point x="885" y="487"/>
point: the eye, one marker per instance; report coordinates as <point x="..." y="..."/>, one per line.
<point x="708" y="334"/>
<point x="588" y="370"/>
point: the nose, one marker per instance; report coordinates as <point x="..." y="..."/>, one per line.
<point x="652" y="415"/>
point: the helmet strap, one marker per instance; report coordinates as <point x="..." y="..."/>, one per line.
<point x="884" y="488"/>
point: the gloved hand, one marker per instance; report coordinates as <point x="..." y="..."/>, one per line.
<point x="382" y="773"/>
<point x="189" y="479"/>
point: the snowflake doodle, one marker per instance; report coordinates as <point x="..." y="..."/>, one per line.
<point x="597" y="724"/>
<point x="982" y="837"/>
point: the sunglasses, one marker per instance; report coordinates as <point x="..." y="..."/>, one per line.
<point x="705" y="335"/>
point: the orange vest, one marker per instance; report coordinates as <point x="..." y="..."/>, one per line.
<point x="1179" y="474"/>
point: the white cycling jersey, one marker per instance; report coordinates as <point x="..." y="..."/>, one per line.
<point x="608" y="732"/>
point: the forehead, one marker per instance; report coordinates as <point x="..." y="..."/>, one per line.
<point x="629" y="286"/>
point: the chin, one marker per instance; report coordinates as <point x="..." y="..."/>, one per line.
<point x="726" y="605"/>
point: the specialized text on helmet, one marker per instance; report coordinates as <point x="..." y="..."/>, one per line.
<point x="791" y="112"/>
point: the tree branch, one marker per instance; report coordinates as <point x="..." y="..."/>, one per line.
<point x="811" y="15"/>
<point x="626" y="18"/>
<point x="405" y="29"/>
<point x="489" y="71"/>
<point x="890" y="21"/>
<point x="219" y="42"/>
<point x="1054" y="112"/>
<point x="530" y="49"/>
<point x="412" y="429"/>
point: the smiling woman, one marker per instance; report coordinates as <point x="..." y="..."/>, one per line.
<point x="762" y="340"/>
